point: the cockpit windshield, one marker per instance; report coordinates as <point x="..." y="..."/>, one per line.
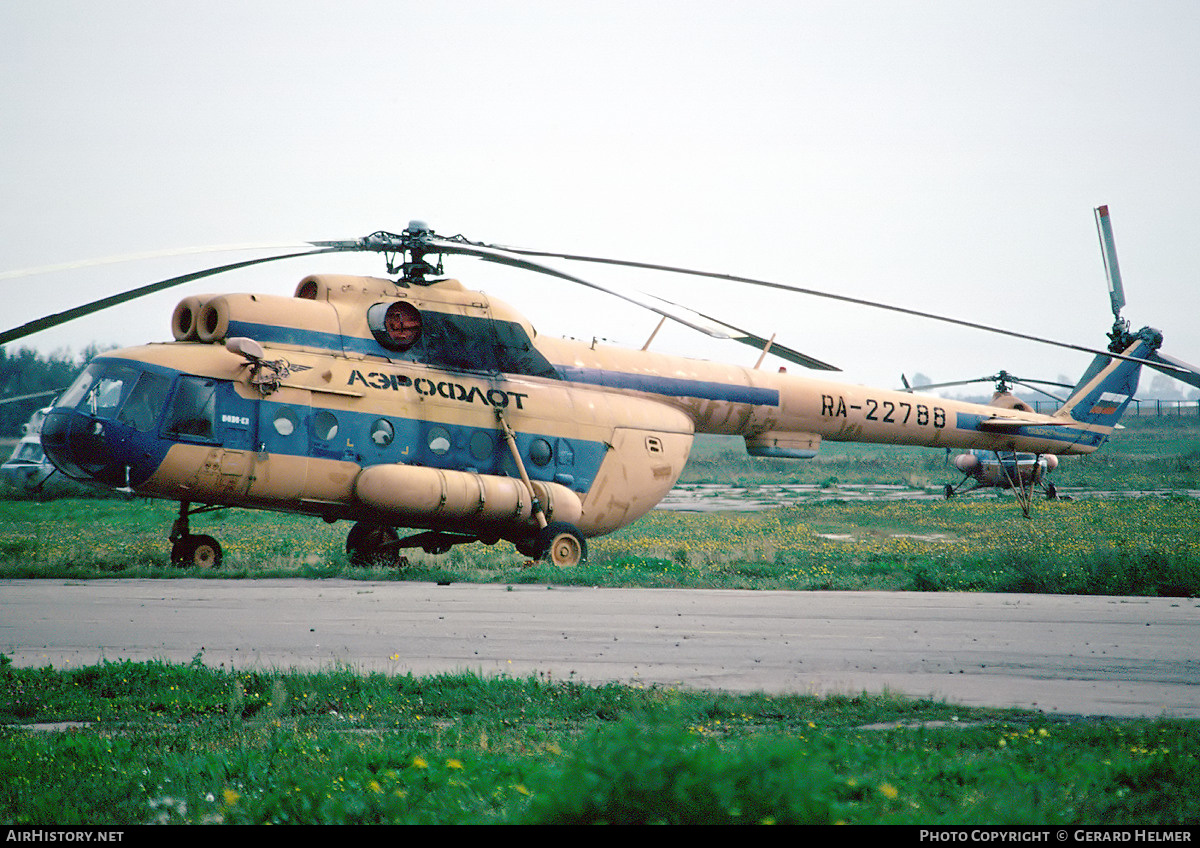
<point x="100" y="389"/>
<point x="121" y="392"/>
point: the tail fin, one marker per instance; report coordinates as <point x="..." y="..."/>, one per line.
<point x="1109" y="384"/>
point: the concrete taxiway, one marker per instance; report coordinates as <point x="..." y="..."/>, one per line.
<point x="1075" y="655"/>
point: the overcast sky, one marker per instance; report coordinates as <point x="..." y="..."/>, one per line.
<point x="944" y="156"/>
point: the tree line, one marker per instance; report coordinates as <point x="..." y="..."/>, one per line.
<point x="27" y="372"/>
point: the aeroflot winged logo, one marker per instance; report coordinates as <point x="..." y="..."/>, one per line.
<point x="1108" y="403"/>
<point x="444" y="389"/>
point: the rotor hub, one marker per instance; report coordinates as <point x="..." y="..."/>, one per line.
<point x="405" y="253"/>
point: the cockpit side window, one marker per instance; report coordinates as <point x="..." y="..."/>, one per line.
<point x="193" y="409"/>
<point x="145" y="402"/>
<point x="467" y="342"/>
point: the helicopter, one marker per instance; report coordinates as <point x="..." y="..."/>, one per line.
<point x="412" y="401"/>
<point x="27" y="469"/>
<point x="1020" y="472"/>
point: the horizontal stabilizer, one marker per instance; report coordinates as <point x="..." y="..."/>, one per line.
<point x="1005" y="424"/>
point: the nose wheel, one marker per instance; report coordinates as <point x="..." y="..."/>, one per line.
<point x="199" y="551"/>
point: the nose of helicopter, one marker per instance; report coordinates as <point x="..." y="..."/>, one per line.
<point x="104" y="428"/>
<point x="84" y="447"/>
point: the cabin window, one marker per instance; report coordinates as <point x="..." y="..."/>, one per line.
<point x="540" y="453"/>
<point x="382" y="432"/>
<point x="325" y="425"/>
<point x="466" y="342"/>
<point x="193" y="409"/>
<point x="396" y="327"/>
<point x="286" y="422"/>
<point x="439" y="440"/>
<point x="481" y="445"/>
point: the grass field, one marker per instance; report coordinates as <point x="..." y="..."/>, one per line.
<point x="157" y="743"/>
<point x="1138" y="546"/>
<point x="125" y="743"/>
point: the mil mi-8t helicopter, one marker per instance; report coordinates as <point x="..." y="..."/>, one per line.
<point x="415" y="402"/>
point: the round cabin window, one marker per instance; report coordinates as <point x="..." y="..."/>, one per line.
<point x="382" y="432"/>
<point x="482" y="446"/>
<point x="439" y="440"/>
<point x="325" y="425"/>
<point x="286" y="422"/>
<point x="540" y="453"/>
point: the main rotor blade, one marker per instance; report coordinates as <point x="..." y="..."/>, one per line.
<point x="1029" y="385"/>
<point x="502" y="257"/>
<point x="155" y="254"/>
<point x="20" y="398"/>
<point x="1015" y="381"/>
<point x="755" y="341"/>
<point x="49" y="321"/>
<point x="1043" y="383"/>
<point x="1176" y="368"/>
<point x="1108" y="248"/>
<point x="908" y="388"/>
<point x="733" y="278"/>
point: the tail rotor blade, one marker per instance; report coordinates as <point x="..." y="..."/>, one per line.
<point x="1108" y="248"/>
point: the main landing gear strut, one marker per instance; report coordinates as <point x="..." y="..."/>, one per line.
<point x="188" y="549"/>
<point x="368" y="543"/>
<point x="555" y="541"/>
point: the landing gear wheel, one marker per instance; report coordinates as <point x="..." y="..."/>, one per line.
<point x="563" y="545"/>
<point x="199" y="551"/>
<point x="373" y="544"/>
<point x="948" y="491"/>
<point x="1051" y="492"/>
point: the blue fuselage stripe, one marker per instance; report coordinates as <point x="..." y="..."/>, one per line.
<point x="670" y="386"/>
<point x="273" y="334"/>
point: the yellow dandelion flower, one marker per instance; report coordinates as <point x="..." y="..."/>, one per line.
<point x="890" y="792"/>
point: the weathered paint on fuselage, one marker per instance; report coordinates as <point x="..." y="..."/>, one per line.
<point x="730" y="400"/>
<point x="293" y="428"/>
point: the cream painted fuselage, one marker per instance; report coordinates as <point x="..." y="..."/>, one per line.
<point x="479" y="426"/>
